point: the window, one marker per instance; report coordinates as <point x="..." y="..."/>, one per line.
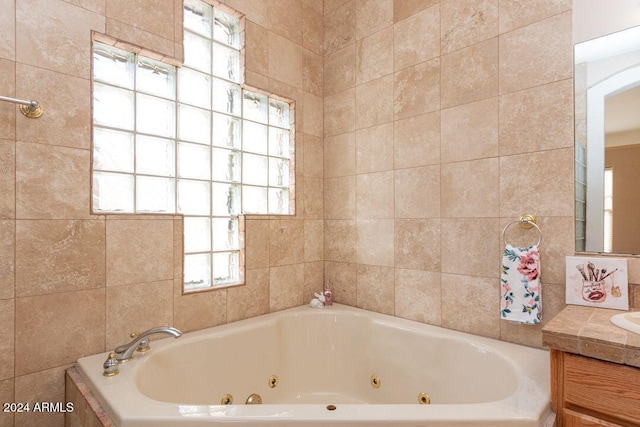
<point x="191" y="141"/>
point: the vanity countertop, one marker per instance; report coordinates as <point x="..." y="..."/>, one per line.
<point x="589" y="332"/>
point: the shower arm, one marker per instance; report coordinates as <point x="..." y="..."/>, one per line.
<point x="29" y="108"/>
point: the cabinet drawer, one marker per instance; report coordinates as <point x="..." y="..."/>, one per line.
<point x="604" y="387"/>
<point x="575" y="419"/>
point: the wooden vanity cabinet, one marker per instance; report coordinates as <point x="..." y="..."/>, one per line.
<point x="588" y="392"/>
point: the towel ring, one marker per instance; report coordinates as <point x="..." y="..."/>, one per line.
<point x="525" y="221"/>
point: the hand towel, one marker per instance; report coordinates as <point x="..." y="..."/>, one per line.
<point x="520" y="299"/>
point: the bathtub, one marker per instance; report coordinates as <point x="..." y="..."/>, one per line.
<point x="337" y="366"/>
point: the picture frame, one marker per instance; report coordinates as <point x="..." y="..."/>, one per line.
<point x="597" y="282"/>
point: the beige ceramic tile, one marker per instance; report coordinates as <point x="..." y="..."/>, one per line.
<point x="557" y="243"/>
<point x="44" y="386"/>
<point x="470" y="189"/>
<point x="8" y="30"/>
<point x="417" y="296"/>
<point x="59" y="256"/>
<point x="517" y="13"/>
<point x="313" y="240"/>
<point x="7" y="262"/>
<point x="340" y="240"/>
<point x="340" y="70"/>
<point x="7" y="395"/>
<point x="375" y="242"/>
<point x="313" y="157"/>
<point x="339" y="26"/>
<point x="254" y="10"/>
<point x="285" y="19"/>
<point x="470" y="131"/>
<point x="611" y="353"/>
<point x="417" y="192"/>
<point x="7" y="109"/>
<point x="375" y="288"/>
<point x="312" y="29"/>
<point x="178" y="244"/>
<point x="340" y="155"/>
<point x="403" y="9"/>
<point x="154" y="16"/>
<point x="340" y="198"/>
<point x="153" y="43"/>
<point x="331" y="5"/>
<point x="256" y="47"/>
<point x="61" y="96"/>
<point x="478" y="237"/>
<point x="249" y="300"/>
<point x="287" y="245"/>
<point x="522" y="112"/>
<point x="530" y="335"/>
<point x="255" y="79"/>
<point x="286" y="285"/>
<point x="372" y="16"/>
<point x="7" y="334"/>
<point x="315" y="5"/>
<point x="257" y="243"/>
<point x="313" y="202"/>
<point x="195" y="311"/>
<point x="416" y="90"/>
<point x="313" y="280"/>
<point x="374" y="195"/>
<point x="341" y="278"/>
<point x="549" y="192"/>
<point x="289" y="91"/>
<point x="417" y="244"/>
<point x="51" y="182"/>
<point x="97" y="6"/>
<point x="536" y="54"/>
<point x="136" y="308"/>
<point x="416" y="141"/>
<point x="467" y="22"/>
<point x="374" y="56"/>
<point x="374" y="149"/>
<point x="285" y="60"/>
<point x="313" y="115"/>
<point x="417" y="38"/>
<point x="7" y="179"/>
<point x="471" y="304"/>
<point x="312" y="72"/>
<point x="470" y="74"/>
<point x="340" y="113"/>
<point x="139" y="251"/>
<point x="569" y="321"/>
<point x="59" y="323"/>
<point x="41" y="25"/>
<point x="374" y="102"/>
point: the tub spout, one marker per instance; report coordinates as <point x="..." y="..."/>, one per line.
<point x="125" y="352"/>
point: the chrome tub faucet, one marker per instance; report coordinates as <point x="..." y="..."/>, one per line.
<point x="141" y="342"/>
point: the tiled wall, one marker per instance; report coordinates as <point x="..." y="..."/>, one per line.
<point x="436" y="122"/>
<point x="444" y="121"/>
<point x="74" y="284"/>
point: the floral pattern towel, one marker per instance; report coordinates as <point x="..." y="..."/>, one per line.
<point x="520" y="280"/>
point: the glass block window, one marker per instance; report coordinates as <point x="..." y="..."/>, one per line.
<point x="191" y="141"/>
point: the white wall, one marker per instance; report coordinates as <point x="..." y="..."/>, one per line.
<point x="595" y="18"/>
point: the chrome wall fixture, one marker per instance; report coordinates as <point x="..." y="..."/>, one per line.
<point x="29" y="108"/>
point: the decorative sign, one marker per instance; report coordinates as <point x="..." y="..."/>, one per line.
<point x="597" y="282"/>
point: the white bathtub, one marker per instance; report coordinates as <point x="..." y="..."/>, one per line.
<point x="327" y="357"/>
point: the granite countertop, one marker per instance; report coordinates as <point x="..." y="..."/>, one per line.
<point x="589" y="332"/>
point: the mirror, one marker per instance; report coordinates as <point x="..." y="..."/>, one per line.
<point x="607" y="142"/>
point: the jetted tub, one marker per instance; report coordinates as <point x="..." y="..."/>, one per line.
<point x="328" y="363"/>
